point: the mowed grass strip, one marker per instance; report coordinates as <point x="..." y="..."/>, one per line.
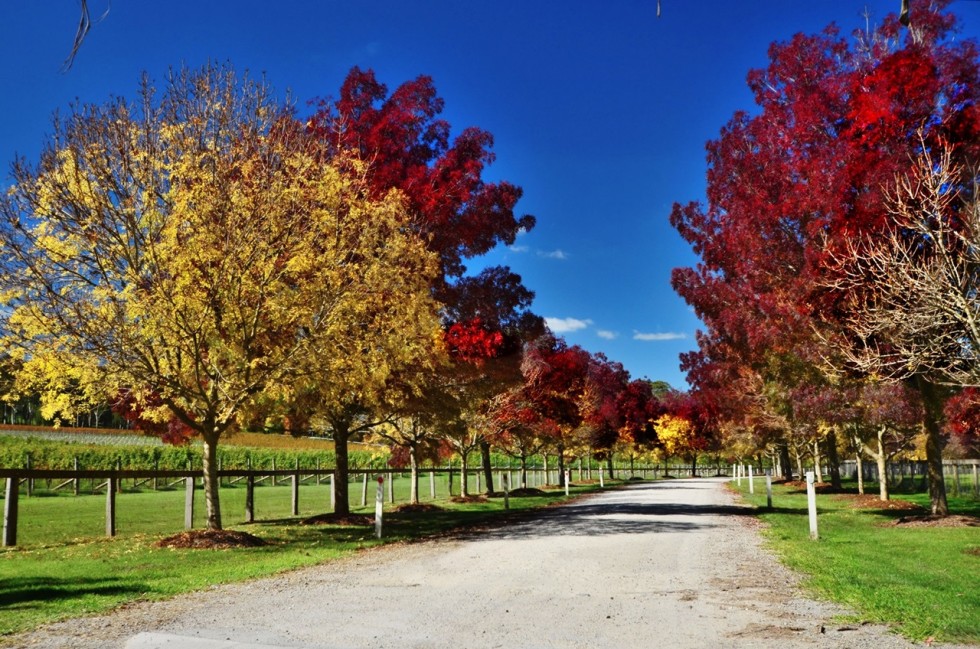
<point x="66" y="568"/>
<point x="923" y="581"/>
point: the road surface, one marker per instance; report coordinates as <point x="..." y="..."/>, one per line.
<point x="659" y="564"/>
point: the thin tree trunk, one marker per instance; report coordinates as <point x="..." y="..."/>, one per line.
<point x="414" y="463"/>
<point x="523" y="470"/>
<point x="464" y="485"/>
<point x="212" y="502"/>
<point x="860" y="468"/>
<point x="882" y="460"/>
<point x="833" y="460"/>
<point x="341" y="437"/>
<point x="609" y="463"/>
<point x="487" y="466"/>
<point x="694" y="465"/>
<point x="817" y="470"/>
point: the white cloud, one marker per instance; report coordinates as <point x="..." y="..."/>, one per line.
<point x="566" y="325"/>
<point x="519" y="248"/>
<point x="554" y="254"/>
<point x="608" y="335"/>
<point x="656" y="337"/>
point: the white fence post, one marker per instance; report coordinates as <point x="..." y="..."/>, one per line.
<point x="751" y="481"/>
<point x="811" y="502"/>
<point x="379" y="503"/>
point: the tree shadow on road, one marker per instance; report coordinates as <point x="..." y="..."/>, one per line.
<point x="590" y="518"/>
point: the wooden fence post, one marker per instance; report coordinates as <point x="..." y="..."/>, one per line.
<point x="189" y="503"/>
<point x="250" y="498"/>
<point x="768" y="492"/>
<point x="432" y="484"/>
<point x="364" y="490"/>
<point x="333" y="493"/>
<point x="10" y="512"/>
<point x="976" y="481"/>
<point x="30" y="481"/>
<point x="74" y="464"/>
<point x="295" y="486"/>
<point x="450" y="480"/>
<point x="110" y="506"/>
<point x="391" y="487"/>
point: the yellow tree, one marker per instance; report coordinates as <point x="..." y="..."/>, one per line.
<point x="676" y="435"/>
<point x="194" y="251"/>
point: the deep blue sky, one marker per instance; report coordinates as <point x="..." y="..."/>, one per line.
<point x="600" y="112"/>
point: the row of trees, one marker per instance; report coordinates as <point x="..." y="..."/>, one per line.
<point x="204" y="259"/>
<point x="838" y="276"/>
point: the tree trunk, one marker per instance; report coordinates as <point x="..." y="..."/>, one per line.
<point x="632" y="465"/>
<point x="933" y="403"/>
<point x="523" y="470"/>
<point x="211" y="499"/>
<point x="487" y="466"/>
<point x="464" y="484"/>
<point x="784" y="462"/>
<point x="341" y="437"/>
<point x="882" y="461"/>
<point x="561" y="467"/>
<point x="833" y="460"/>
<point x="609" y="463"/>
<point x="860" y="468"/>
<point x="694" y="465"/>
<point x="414" y="463"/>
<point x="799" y="461"/>
<point x="817" y="470"/>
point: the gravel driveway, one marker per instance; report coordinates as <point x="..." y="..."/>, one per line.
<point x="661" y="564"/>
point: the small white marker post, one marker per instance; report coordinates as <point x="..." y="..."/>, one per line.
<point x="768" y="492"/>
<point x="506" y="483"/>
<point x="567" y="475"/>
<point x="739" y="474"/>
<point x="734" y="472"/>
<point x="751" y="481"/>
<point x="811" y="502"/>
<point x="602" y="482"/>
<point x="379" y="504"/>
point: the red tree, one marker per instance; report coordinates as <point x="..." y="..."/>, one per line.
<point x="789" y="184"/>
<point x="406" y="145"/>
<point x="963" y="420"/>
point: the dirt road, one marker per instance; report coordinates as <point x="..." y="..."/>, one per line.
<point x="665" y="564"/>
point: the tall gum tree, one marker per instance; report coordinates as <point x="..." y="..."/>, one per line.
<point x="194" y="251"/>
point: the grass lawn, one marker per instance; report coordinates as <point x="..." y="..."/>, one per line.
<point x="64" y="566"/>
<point x="925" y="581"/>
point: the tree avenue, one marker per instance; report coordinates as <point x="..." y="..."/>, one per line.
<point x="791" y="188"/>
<point x="195" y="251"/>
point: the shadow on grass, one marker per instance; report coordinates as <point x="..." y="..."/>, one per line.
<point x="28" y="593"/>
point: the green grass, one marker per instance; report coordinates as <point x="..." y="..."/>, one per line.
<point x="64" y="567"/>
<point x="924" y="581"/>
